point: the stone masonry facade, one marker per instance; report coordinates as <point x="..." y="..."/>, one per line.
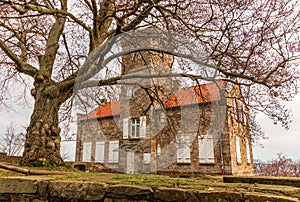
<point x="160" y="142"/>
<point x="155" y="127"/>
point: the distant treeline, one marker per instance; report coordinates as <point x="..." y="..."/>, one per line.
<point x="281" y="166"/>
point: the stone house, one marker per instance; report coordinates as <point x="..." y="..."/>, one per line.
<point x="201" y="129"/>
<point x="157" y="127"/>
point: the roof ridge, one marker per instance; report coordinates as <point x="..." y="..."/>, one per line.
<point x="182" y="97"/>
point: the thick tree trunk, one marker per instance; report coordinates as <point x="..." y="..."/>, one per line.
<point x="42" y="145"/>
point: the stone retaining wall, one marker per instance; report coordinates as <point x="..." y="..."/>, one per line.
<point x="43" y="189"/>
<point x="9" y="159"/>
<point x="288" y="181"/>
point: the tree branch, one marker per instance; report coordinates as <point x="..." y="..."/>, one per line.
<point x="39" y="9"/>
<point x="21" y="66"/>
<point x="52" y="43"/>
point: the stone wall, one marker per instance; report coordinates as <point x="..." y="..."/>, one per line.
<point x="179" y="121"/>
<point x="41" y="189"/>
<point x="9" y="159"/>
<point x="288" y="181"/>
<point x="190" y="120"/>
<point x="238" y="124"/>
<point x="184" y="121"/>
<point x="93" y="130"/>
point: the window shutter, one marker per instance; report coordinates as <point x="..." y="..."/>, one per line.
<point x="210" y="152"/>
<point x="147" y="158"/>
<point x="143" y="126"/>
<point x="206" y="149"/>
<point x="238" y="150"/>
<point x="248" y="152"/>
<point x="110" y="154"/>
<point x="187" y="150"/>
<point x="234" y="109"/>
<point x="179" y="154"/>
<point x="99" y="156"/>
<point x="125" y="128"/>
<point x="245" y="116"/>
<point x="113" y="155"/>
<point x="183" y="149"/>
<point x="86" y="151"/>
<point x="116" y="153"/>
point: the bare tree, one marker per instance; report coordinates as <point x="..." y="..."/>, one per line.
<point x="281" y="166"/>
<point x="48" y="45"/>
<point x="12" y="142"/>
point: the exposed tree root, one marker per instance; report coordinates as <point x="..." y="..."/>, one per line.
<point x="31" y="172"/>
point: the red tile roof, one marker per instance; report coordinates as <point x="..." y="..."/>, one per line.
<point x="192" y="95"/>
<point x="195" y="94"/>
<point x="107" y="110"/>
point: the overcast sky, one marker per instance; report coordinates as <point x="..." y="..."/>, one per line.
<point x="280" y="140"/>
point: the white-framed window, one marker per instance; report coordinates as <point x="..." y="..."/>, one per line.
<point x="143" y="126"/>
<point x="183" y="149"/>
<point x="238" y="150"/>
<point x="206" y="149"/>
<point x="125" y="128"/>
<point x="135" y="128"/>
<point x="86" y="151"/>
<point x="113" y="155"/>
<point x="248" y="151"/>
<point x="147" y="158"/>
<point x="99" y="153"/>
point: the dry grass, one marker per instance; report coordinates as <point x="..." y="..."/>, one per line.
<point x="5" y="173"/>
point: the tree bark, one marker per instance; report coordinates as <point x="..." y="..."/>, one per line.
<point x="42" y="145"/>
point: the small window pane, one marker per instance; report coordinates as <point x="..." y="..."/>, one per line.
<point x="135" y="128"/>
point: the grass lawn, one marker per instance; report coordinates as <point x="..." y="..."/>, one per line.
<point x="213" y="183"/>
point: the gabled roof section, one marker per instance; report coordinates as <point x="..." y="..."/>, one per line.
<point x="203" y="93"/>
<point x="107" y="110"/>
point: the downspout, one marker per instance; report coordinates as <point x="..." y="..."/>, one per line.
<point x="220" y="139"/>
<point x="79" y="142"/>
